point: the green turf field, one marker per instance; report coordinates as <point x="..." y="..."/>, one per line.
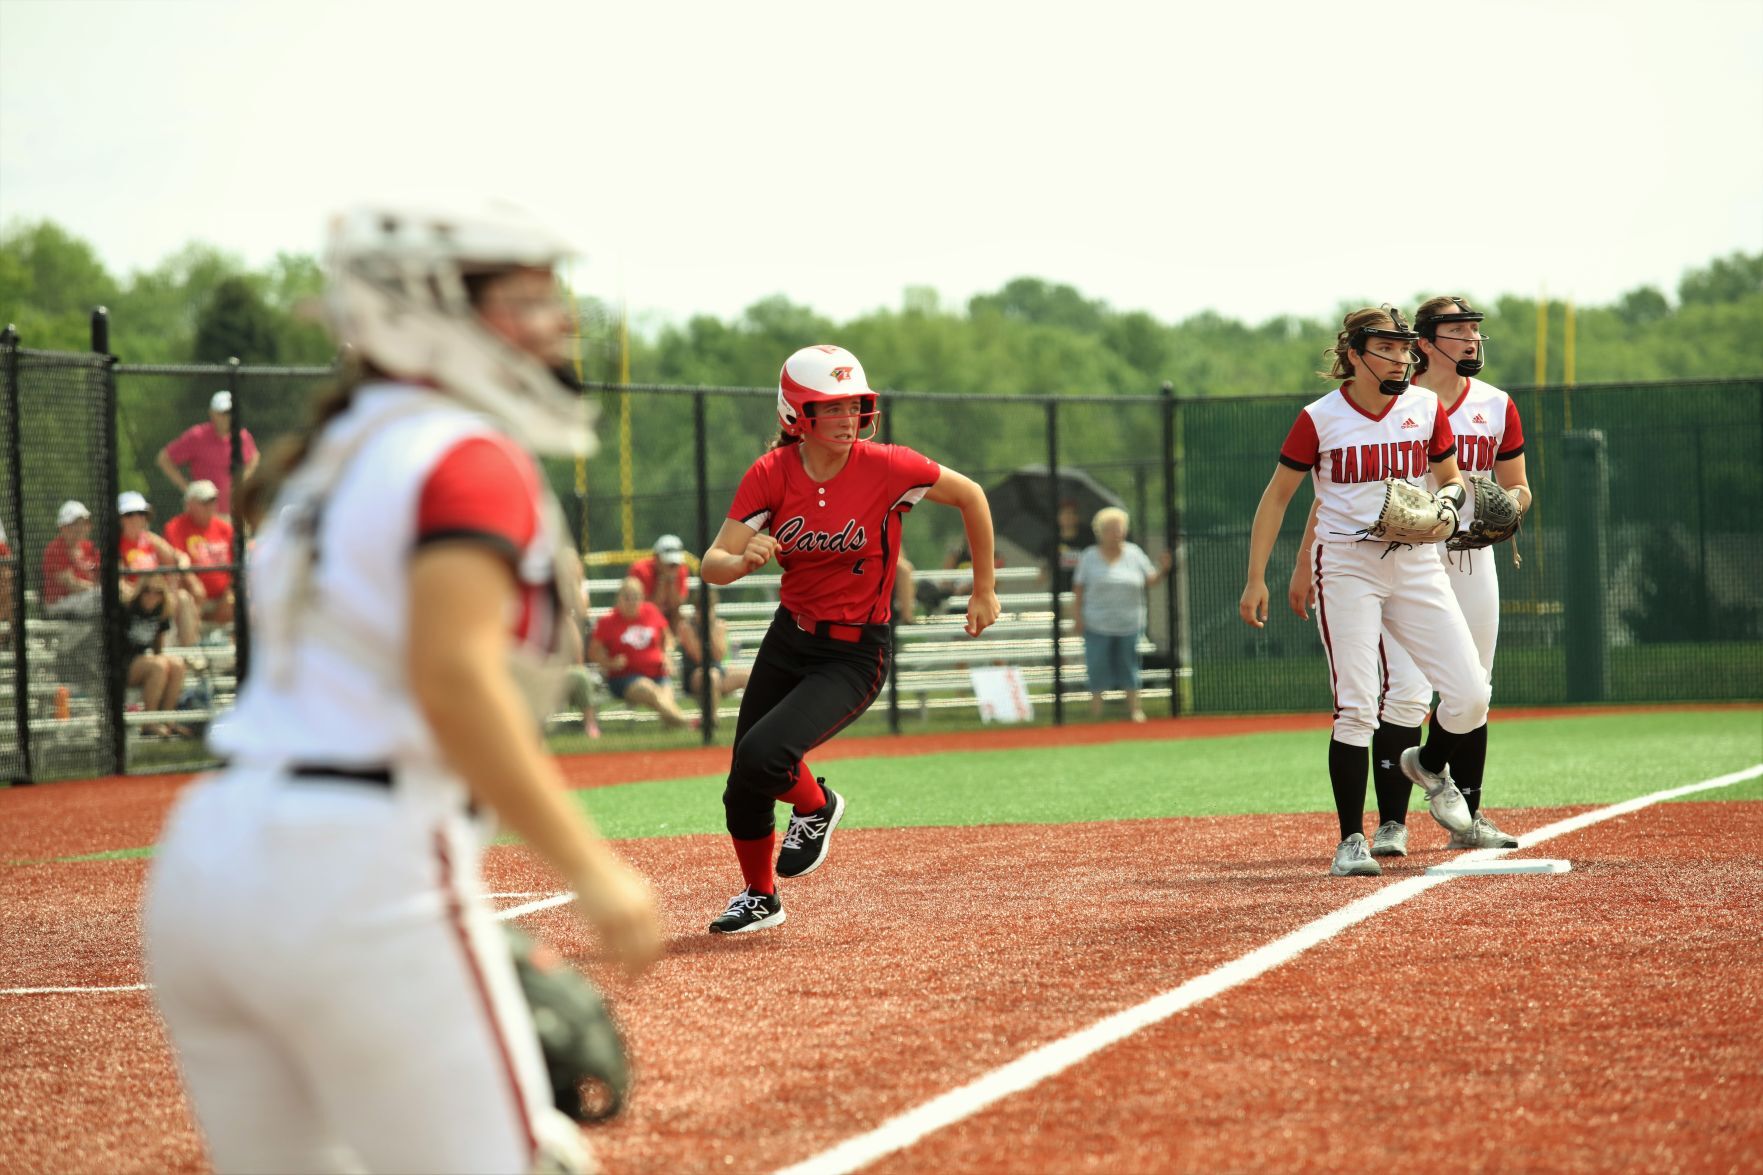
<point x="1592" y="760"/>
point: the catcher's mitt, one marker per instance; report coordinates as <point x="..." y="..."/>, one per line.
<point x="1495" y="519"/>
<point x="1411" y="515"/>
<point x="584" y="1051"/>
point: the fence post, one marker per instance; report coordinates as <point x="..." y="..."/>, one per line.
<point x="887" y="435"/>
<point x="1053" y="556"/>
<point x="701" y="455"/>
<point x="109" y="536"/>
<point x="241" y="591"/>
<point x="1588" y="675"/>
<point x="1173" y="578"/>
<point x="21" y="659"/>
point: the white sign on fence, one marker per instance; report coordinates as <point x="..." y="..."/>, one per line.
<point x="1002" y="694"/>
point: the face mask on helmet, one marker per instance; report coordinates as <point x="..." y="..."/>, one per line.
<point x="820" y="375"/>
<point x="1429" y="324"/>
<point x="397" y="293"/>
<point x="1398" y="330"/>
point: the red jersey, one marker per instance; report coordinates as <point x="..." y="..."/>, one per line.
<point x="838" y="540"/>
<point x="204" y="547"/>
<point x="138" y="553"/>
<point x="642" y="641"/>
<point x="82" y="560"/>
<point x="643" y="571"/>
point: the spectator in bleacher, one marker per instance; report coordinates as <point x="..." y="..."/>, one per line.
<point x="631" y="644"/>
<point x="5" y="585"/>
<point x="207" y="449"/>
<point x="202" y="536"/>
<point x="663" y="575"/>
<point x="140" y="550"/>
<point x="1109" y="587"/>
<point x="70" y="565"/>
<point x="147" y="608"/>
<point x="723" y="680"/>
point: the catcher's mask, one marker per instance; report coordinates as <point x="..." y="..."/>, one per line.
<point x="1428" y="325"/>
<point x="823" y="374"/>
<point x="397" y="293"/>
<point x="1397" y="330"/>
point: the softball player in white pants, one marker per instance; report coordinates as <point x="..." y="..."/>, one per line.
<point x="1490" y="443"/>
<point x="334" y="985"/>
<point x="1375" y="426"/>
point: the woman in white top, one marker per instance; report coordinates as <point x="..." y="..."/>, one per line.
<point x="1108" y="587"/>
<point x="330" y="972"/>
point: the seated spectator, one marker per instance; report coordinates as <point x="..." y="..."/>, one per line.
<point x="630" y="644"/>
<point x="70" y="566"/>
<point x="5" y="584"/>
<point x="664" y="575"/>
<point x="207" y="448"/>
<point x="205" y="539"/>
<point x="140" y="550"/>
<point x="723" y="681"/>
<point x="146" y="615"/>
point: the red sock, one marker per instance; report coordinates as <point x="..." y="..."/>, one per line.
<point x="805" y="795"/>
<point x="755" y="857"/>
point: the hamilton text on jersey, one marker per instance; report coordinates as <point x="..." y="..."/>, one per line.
<point x="1357" y="463"/>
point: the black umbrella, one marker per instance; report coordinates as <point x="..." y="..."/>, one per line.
<point x="1025" y="505"/>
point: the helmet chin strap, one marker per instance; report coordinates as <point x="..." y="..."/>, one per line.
<point x="1391" y="387"/>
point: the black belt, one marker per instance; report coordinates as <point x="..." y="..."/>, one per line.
<point x="849" y="633"/>
<point x="372" y="776"/>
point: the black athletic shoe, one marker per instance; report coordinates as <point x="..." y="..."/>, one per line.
<point x="749" y="911"/>
<point x="809" y="837"/>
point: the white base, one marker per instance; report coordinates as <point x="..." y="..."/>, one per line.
<point x="1488" y="868"/>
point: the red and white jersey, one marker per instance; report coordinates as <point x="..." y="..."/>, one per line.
<point x="641" y="640"/>
<point x="1485" y="420"/>
<point x="330" y="622"/>
<point x="838" y="540"/>
<point x="1349" y="452"/>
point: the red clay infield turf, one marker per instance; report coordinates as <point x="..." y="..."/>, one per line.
<point x="1605" y="1019"/>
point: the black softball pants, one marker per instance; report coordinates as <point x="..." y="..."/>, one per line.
<point x="803" y="690"/>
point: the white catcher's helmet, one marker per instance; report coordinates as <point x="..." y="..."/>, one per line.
<point x="816" y="374"/>
<point x="396" y="293"/>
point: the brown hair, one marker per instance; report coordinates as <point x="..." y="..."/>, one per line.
<point x="1443" y="304"/>
<point x="1338" y="356"/>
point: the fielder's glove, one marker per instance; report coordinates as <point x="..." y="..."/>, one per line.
<point x="1411" y="515"/>
<point x="584" y="1052"/>
<point x="1495" y="519"/>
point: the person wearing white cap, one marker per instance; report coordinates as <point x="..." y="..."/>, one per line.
<point x="202" y="536"/>
<point x="664" y="575"/>
<point x="70" y="565"/>
<point x="207" y="449"/>
<point x="139" y="550"/>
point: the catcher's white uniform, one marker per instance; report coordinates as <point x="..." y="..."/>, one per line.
<point x="1485" y="422"/>
<point x="1363" y="586"/>
<point x="336" y="987"/>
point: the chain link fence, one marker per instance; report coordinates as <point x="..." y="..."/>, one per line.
<point x="1641" y="577"/>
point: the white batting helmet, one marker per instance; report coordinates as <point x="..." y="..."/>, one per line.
<point x="817" y="374"/>
<point x="396" y="292"/>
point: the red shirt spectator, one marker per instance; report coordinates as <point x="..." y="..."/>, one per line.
<point x="651" y="571"/>
<point x="70" y="554"/>
<point x="204" y="536"/>
<point x="207" y="449"/>
<point x="641" y="640"/>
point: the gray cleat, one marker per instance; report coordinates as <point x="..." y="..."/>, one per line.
<point x="1482" y="835"/>
<point x="1390" y="840"/>
<point x="1353" y="859"/>
<point x="1443" y="799"/>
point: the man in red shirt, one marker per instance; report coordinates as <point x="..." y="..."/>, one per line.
<point x="630" y="645"/>
<point x="70" y="565"/>
<point x="206" y="539"/>
<point x="664" y="575"/>
<point x="207" y="449"/>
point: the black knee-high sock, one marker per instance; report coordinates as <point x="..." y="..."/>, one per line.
<point x="1468" y="764"/>
<point x="1393" y="789"/>
<point x="1346" y="775"/>
<point x="1441" y="744"/>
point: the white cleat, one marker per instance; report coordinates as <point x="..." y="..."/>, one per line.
<point x="1353" y="859"/>
<point x="1443" y="799"/>
<point x="1390" y="840"/>
<point x="1482" y="834"/>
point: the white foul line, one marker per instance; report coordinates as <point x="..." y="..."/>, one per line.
<point x="903" y="1130"/>
<point x="500" y="916"/>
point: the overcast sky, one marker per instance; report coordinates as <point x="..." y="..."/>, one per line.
<point x="1253" y="159"/>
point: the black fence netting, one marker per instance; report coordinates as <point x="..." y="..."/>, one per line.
<point x="1638" y="577"/>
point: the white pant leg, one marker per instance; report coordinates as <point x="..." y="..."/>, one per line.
<point x="1407" y="695"/>
<point x="1476" y="584"/>
<point x="1422" y="614"/>
<point x="1350" y="591"/>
